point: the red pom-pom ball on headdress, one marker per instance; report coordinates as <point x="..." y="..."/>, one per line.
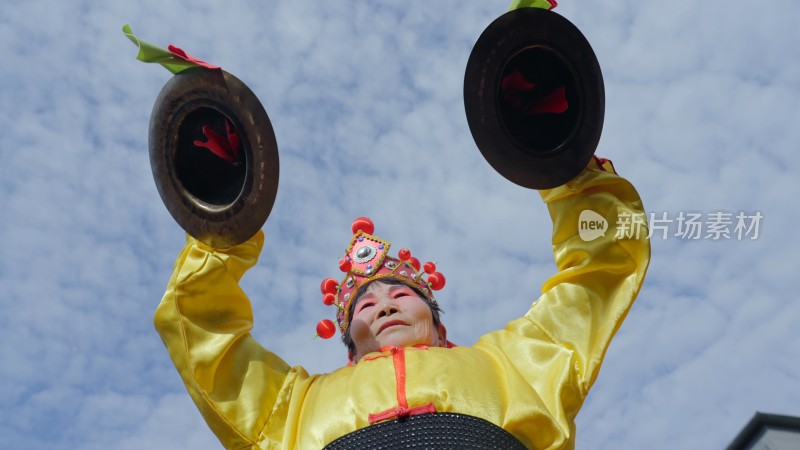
<point x="436" y="280"/>
<point x="326" y="329"/>
<point x="404" y="254"/>
<point x="329" y="286"/>
<point x="363" y="224"/>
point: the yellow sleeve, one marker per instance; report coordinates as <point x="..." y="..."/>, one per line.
<point x="560" y="343"/>
<point x="205" y="319"/>
<point x="584" y="304"/>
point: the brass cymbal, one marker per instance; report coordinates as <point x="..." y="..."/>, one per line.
<point x="214" y="156"/>
<point x="534" y="98"/>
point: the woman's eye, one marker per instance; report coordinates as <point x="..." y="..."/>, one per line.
<point x="364" y="306"/>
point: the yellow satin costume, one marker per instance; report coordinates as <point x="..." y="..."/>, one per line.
<point x="530" y="378"/>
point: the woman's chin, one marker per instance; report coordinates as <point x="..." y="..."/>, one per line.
<point x="398" y="337"/>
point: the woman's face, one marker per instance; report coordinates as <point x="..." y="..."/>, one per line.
<point x="392" y="314"/>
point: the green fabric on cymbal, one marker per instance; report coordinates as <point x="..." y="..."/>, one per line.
<point x="545" y="4"/>
<point x="175" y="61"/>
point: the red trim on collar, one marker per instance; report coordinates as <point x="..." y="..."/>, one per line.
<point x="402" y="409"/>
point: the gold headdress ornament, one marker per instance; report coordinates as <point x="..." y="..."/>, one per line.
<point x="367" y="259"/>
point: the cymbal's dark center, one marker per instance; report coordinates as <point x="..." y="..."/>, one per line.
<point x="214" y="177"/>
<point x="538" y="100"/>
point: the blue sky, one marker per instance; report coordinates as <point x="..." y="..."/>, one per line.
<point x="366" y="100"/>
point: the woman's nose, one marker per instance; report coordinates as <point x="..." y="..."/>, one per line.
<point x="387" y="309"/>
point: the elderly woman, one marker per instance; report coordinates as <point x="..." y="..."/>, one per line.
<point x="519" y="387"/>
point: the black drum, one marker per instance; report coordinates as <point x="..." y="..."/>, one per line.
<point x="438" y="431"/>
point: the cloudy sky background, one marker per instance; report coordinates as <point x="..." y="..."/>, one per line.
<point x="365" y="97"/>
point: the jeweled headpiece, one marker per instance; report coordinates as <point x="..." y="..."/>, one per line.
<point x="367" y="259"/>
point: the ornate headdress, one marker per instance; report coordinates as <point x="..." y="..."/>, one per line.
<point x="367" y="259"/>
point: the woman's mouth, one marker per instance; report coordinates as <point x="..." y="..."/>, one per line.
<point x="389" y="324"/>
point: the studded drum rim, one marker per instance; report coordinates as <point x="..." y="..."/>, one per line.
<point x="439" y="431"/>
